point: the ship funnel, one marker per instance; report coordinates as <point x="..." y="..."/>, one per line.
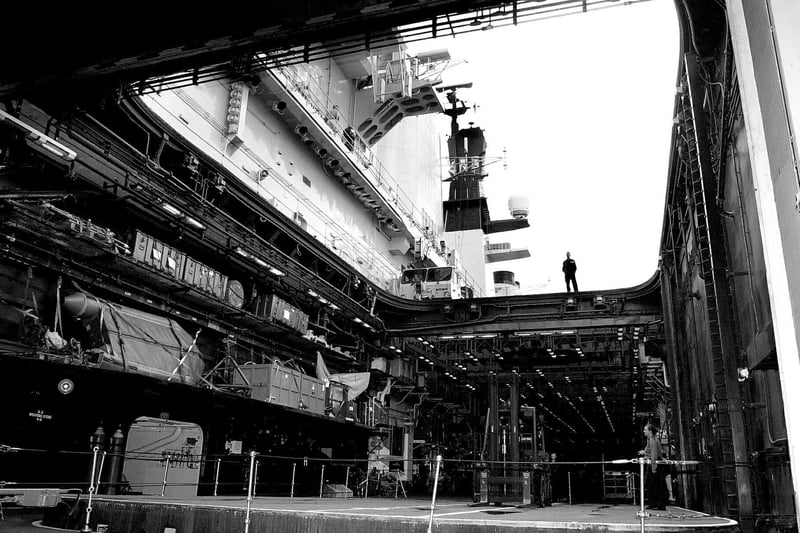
<point x="80" y="305"/>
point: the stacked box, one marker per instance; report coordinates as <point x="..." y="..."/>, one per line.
<point x="205" y="278"/>
<point x="258" y="377"/>
<point x="285" y="387"/>
<point x="379" y="363"/>
<point x="216" y="283"/>
<point x="193" y="272"/>
<point x="301" y="323"/>
<point x="312" y="393"/>
<point x="278" y="384"/>
<point x="284" y="312"/>
<point x="158" y="255"/>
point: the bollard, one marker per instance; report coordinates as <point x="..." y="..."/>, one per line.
<point x="291" y="493"/>
<point x="250" y="491"/>
<point x="347" y="476"/>
<point x="95" y="451"/>
<point x="164" y="481"/>
<point x="435" y="488"/>
<point x="216" y="475"/>
<point x="321" y="480"/>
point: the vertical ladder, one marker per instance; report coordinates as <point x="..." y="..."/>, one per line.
<point x="733" y="470"/>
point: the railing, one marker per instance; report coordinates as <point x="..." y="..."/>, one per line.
<point x="307" y="89"/>
<point x="253" y="474"/>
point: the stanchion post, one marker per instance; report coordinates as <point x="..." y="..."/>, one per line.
<point x="250" y="491"/>
<point x="164" y="482"/>
<point x="642" y="513"/>
<point x="321" y="480"/>
<point x="100" y="472"/>
<point x="435" y="488"/>
<point x="255" y="480"/>
<point x="291" y="488"/>
<point x="216" y="475"/>
<point x="86" y="527"/>
<point x="569" y="486"/>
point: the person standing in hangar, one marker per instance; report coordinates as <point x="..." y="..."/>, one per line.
<point x="568" y="267"/>
<point x="655" y="477"/>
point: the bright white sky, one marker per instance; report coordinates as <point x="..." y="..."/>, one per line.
<point x="583" y="104"/>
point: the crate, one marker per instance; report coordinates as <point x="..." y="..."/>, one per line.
<point x="192" y="272"/>
<point x="312" y="394"/>
<point x="281" y="311"/>
<point x="285" y="313"/>
<point x="379" y="363"/>
<point x="273" y="383"/>
<point x="173" y="262"/>
<point x="204" y="278"/>
<point x="158" y="255"/>
<point x="216" y="283"/>
<point x="301" y="322"/>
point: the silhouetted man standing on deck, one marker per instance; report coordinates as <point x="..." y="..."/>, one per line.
<point x="568" y="267"/>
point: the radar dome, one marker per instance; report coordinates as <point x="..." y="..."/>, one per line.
<point x="518" y="205"/>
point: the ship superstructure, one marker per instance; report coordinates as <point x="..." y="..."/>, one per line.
<point x="220" y="248"/>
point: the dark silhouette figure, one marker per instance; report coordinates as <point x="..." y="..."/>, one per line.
<point x="568" y="267"/>
<point x="655" y="473"/>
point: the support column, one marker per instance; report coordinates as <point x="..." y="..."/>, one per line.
<point x="494" y="423"/>
<point x="513" y="429"/>
<point x="777" y="216"/>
